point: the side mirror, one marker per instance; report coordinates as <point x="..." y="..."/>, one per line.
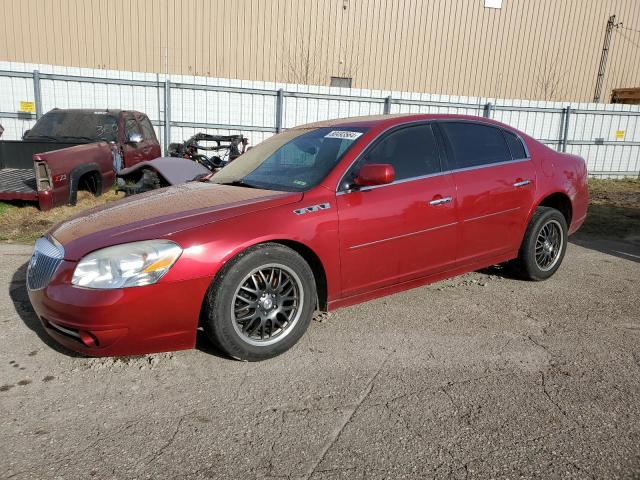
<point x="375" y="174"/>
<point x="134" y="137"/>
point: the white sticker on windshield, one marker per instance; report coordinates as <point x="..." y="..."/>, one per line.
<point x="345" y="134"/>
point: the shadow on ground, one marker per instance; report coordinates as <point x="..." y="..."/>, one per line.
<point x="20" y="299"/>
<point x="611" y="229"/>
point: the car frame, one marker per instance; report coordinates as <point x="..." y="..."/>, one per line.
<point x="337" y="243"/>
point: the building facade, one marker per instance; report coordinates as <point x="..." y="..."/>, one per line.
<point x="527" y="49"/>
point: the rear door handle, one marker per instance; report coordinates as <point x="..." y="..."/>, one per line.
<point x="440" y="201"/>
<point x="522" y="183"/>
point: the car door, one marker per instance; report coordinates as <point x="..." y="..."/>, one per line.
<point x="495" y="188"/>
<point x="403" y="230"/>
<point x="149" y="147"/>
<point x="131" y="151"/>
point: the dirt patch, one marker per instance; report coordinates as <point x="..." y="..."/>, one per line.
<point x="614" y="209"/>
<point x="23" y="222"/>
<point x="141" y="362"/>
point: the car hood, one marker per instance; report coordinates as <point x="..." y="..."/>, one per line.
<point x="161" y="213"/>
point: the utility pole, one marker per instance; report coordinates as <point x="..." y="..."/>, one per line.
<point x="603" y="58"/>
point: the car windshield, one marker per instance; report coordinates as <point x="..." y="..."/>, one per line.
<point x="294" y="161"/>
<point x="75" y="126"/>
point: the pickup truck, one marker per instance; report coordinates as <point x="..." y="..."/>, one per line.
<point x="71" y="150"/>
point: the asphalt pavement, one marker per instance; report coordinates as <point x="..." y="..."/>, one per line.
<point x="480" y="376"/>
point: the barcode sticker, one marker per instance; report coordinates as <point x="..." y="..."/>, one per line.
<point x="344" y="134"/>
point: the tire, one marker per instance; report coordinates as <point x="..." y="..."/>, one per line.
<point x="150" y="180"/>
<point x="278" y="293"/>
<point x="543" y="246"/>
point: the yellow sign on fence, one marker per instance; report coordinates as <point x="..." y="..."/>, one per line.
<point x="28" y="107"/>
<point x="619" y="134"/>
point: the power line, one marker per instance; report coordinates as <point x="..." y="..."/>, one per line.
<point x="628" y="39"/>
<point x="630" y="29"/>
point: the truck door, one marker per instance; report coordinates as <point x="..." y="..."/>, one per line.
<point x="149" y="146"/>
<point x="131" y="151"/>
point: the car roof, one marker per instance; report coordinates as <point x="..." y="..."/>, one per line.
<point x="97" y="111"/>
<point x="395" y="119"/>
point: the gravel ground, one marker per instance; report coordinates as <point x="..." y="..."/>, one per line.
<point x="479" y="376"/>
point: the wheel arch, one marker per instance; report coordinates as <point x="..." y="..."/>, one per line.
<point x="80" y="172"/>
<point x="313" y="260"/>
<point x="561" y="202"/>
<point x="306" y="252"/>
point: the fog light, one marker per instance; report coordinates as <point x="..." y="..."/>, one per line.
<point x="88" y="339"/>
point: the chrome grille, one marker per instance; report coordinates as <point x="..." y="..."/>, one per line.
<point x="45" y="260"/>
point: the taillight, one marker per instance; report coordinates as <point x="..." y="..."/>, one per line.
<point x="43" y="176"/>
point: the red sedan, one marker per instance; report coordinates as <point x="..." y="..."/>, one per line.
<point x="315" y="218"/>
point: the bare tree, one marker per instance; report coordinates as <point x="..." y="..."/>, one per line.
<point x="302" y="65"/>
<point x="548" y="79"/>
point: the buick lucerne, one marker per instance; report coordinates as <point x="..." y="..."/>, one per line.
<point x="318" y="217"/>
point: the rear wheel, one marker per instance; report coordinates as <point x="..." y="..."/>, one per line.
<point x="544" y="244"/>
<point x="261" y="303"/>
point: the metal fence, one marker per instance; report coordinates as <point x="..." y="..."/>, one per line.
<point x="607" y="136"/>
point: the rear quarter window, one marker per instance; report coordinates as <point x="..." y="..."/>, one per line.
<point x="474" y="144"/>
<point x="518" y="151"/>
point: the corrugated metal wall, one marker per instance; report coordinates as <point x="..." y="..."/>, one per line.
<point x="542" y="49"/>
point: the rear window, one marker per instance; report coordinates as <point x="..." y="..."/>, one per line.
<point x="515" y="145"/>
<point x="474" y="145"/>
<point x="75" y="126"/>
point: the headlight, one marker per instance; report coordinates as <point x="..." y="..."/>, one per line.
<point x="128" y="265"/>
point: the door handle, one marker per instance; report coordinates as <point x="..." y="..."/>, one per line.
<point x="522" y="183"/>
<point x="440" y="201"/>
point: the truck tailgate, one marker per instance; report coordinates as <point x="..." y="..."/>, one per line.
<point x="18" y="184"/>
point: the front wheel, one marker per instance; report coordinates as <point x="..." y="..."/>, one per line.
<point x="261" y="303"/>
<point x="544" y="244"/>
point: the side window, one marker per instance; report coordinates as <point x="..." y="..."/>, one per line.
<point x="130" y="126"/>
<point x="412" y="151"/>
<point x="473" y="144"/>
<point x="148" y="133"/>
<point x="515" y="145"/>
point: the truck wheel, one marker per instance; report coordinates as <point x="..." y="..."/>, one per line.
<point x="261" y="303"/>
<point x="543" y="246"/>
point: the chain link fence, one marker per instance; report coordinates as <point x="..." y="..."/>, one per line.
<point x="606" y="135"/>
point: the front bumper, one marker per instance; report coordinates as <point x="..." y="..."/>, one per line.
<point x="131" y="321"/>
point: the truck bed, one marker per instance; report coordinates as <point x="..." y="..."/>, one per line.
<point x="18" y="184"/>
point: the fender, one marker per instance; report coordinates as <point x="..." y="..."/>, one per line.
<point x="74" y="179"/>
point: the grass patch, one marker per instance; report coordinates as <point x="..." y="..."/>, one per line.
<point x="23" y="222"/>
<point x="5" y="207"/>
<point x="614" y="212"/>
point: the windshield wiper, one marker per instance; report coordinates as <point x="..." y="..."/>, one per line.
<point x="238" y="183"/>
